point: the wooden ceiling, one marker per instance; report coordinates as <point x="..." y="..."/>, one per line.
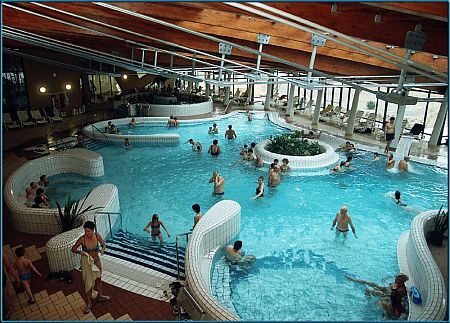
<point x="226" y="22"/>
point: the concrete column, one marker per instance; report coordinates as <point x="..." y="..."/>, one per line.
<point x="208" y="86"/>
<point x="440" y="121"/>
<point x="290" y="105"/>
<point x="268" y="96"/>
<point x="398" y="124"/>
<point x="315" y="119"/>
<point x="189" y="87"/>
<point x="352" y="116"/>
<point x="250" y="92"/>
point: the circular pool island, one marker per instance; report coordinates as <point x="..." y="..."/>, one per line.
<point x="325" y="155"/>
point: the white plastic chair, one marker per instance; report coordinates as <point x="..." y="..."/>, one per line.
<point x="8" y="122"/>
<point x="24" y="118"/>
<point x="37" y="116"/>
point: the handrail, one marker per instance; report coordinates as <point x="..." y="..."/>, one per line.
<point x="176" y="248"/>
<point x="109" y="218"/>
<point x="98" y="131"/>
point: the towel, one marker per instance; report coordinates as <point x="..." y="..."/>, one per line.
<point x="89" y="271"/>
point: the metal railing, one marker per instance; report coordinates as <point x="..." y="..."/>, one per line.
<point x="93" y="133"/>
<point x="186" y="234"/>
<point x="109" y="219"/>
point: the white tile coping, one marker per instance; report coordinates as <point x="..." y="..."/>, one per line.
<point x="218" y="226"/>
<point x="43" y="221"/>
<point x="416" y="260"/>
<point x="177" y="110"/>
<point x="159" y="139"/>
<point x="328" y="158"/>
<point x="60" y="257"/>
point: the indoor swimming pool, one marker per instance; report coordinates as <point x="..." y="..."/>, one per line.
<point x="300" y="269"/>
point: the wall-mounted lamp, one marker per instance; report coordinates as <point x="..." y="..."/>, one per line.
<point x="377" y="19"/>
<point x="124" y="76"/>
<point x="390" y="46"/>
<point x="435" y="56"/>
<point x="68" y="86"/>
<point x="42" y="89"/>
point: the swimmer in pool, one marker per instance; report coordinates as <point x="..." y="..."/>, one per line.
<point x="219" y="183"/>
<point x="397" y="195"/>
<point x="260" y="188"/>
<point x="127" y="143"/>
<point x="243" y="149"/>
<point x="258" y="162"/>
<point x="403" y="164"/>
<point x="196" y="146"/>
<point x="274" y="179"/>
<point x="214" y="149"/>
<point x="250" y="155"/>
<point x="230" y="133"/>
<point x="249" y="116"/>
<point x="342" y="221"/>
<point x="375" y="157"/>
<point x="213" y="130"/>
<point x="390" y="162"/>
<point x="155" y="224"/>
<point x="132" y="123"/>
<point x="285" y="167"/>
<point x="236" y="255"/>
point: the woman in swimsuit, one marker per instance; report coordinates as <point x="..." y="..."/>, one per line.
<point x="260" y="188"/>
<point x="155" y="224"/>
<point x="90" y="243"/>
<point x="214" y="149"/>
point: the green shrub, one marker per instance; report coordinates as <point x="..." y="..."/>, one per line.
<point x="371" y="105"/>
<point x="294" y="145"/>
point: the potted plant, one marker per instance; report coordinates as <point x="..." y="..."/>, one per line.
<point x="69" y="217"/>
<point x="436" y="236"/>
<point x="371" y="105"/>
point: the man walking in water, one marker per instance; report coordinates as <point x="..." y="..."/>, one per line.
<point x="341" y="221"/>
<point x="230" y="133"/>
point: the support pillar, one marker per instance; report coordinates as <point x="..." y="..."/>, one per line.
<point x="290" y="105"/>
<point x="208" y="86"/>
<point x="268" y="96"/>
<point x="440" y="121"/>
<point x="315" y="119"/>
<point x="250" y="92"/>
<point x="352" y="116"/>
<point x="189" y="87"/>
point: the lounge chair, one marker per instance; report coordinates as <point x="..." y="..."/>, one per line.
<point x="327" y="110"/>
<point x="332" y="116"/>
<point x="358" y="117"/>
<point x="8" y="122"/>
<point x="24" y="119"/>
<point x="368" y="124"/>
<point x="37" y="116"/>
<point x="56" y="116"/>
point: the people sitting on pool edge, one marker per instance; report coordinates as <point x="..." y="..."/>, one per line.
<point x="403" y="164"/>
<point x="230" y="133"/>
<point x="214" y="149"/>
<point x="195" y="145"/>
<point x="397" y="195"/>
<point x="41" y="201"/>
<point x="30" y="194"/>
<point x="260" y="188"/>
<point x="390" y="163"/>
<point x="155" y="225"/>
<point x="198" y="214"/>
<point x="219" y="183"/>
<point x="341" y="221"/>
<point x="213" y="130"/>
<point x="235" y="254"/>
<point x="111" y="128"/>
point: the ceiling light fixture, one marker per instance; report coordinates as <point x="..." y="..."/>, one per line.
<point x="42" y="89"/>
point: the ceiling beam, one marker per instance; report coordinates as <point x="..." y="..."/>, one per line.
<point x="430" y="10"/>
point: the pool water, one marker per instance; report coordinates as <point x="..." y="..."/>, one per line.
<point x="300" y="269"/>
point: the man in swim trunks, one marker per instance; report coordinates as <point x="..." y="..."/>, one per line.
<point x="235" y="255"/>
<point x="25" y="267"/>
<point x="390" y="133"/>
<point x="403" y="164"/>
<point x="390" y="162"/>
<point x="219" y="183"/>
<point x="341" y="221"/>
<point x="230" y="133"/>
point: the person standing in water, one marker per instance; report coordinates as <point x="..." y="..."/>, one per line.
<point x="342" y="221"/>
<point x="155" y="225"/>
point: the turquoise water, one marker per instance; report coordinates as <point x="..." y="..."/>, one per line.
<point x="300" y="268"/>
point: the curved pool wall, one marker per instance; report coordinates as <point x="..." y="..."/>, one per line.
<point x="43" y="221"/>
<point x="328" y="158"/>
<point x="416" y="260"/>
<point x="219" y="225"/>
<point x="176" y="110"/>
<point x="165" y="140"/>
<point x="59" y="254"/>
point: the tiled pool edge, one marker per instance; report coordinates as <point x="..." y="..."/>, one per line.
<point x="218" y="226"/>
<point x="177" y="110"/>
<point x="328" y="158"/>
<point x="43" y="221"/>
<point x="59" y="254"/>
<point x="92" y="131"/>
<point x="415" y="259"/>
